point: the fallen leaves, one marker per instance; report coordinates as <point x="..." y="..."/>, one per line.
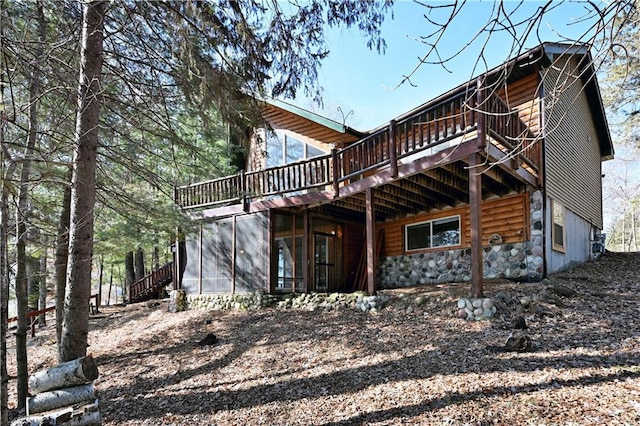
<point x="421" y="365"/>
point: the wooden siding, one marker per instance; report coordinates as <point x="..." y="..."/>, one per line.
<point x="506" y="216"/>
<point x="523" y="96"/>
<point x="572" y="155"/>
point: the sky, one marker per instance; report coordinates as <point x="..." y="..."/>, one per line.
<point x="364" y="82"/>
<point x="360" y="86"/>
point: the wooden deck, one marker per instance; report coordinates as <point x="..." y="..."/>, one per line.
<point x="420" y="159"/>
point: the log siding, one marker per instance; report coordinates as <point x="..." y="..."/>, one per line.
<point x="507" y="217"/>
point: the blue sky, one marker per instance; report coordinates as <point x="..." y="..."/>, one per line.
<point x="359" y="80"/>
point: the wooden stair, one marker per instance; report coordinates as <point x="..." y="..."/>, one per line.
<point x="147" y="287"/>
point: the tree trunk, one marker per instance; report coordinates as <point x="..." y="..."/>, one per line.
<point x="140" y="264"/>
<point x="75" y="327"/>
<point x="33" y="283"/>
<point x="6" y="175"/>
<point x="42" y="285"/>
<point x="156" y="257"/>
<point x="110" y="285"/>
<point x="129" y="274"/>
<point x="99" y="299"/>
<point x="21" y="222"/>
<point x="68" y="374"/>
<point x="52" y="400"/>
<point x="62" y="256"/>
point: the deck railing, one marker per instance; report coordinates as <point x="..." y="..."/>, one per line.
<point x="146" y="286"/>
<point x="428" y="128"/>
<point x="517" y="139"/>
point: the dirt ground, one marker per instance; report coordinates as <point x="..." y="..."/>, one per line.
<point x="413" y="362"/>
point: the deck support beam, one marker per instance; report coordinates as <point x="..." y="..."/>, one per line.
<point x="475" y="206"/>
<point x="370" y="241"/>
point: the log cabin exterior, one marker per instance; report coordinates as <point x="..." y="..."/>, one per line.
<point x="497" y="178"/>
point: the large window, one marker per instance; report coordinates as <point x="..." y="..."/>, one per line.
<point x="442" y="232"/>
<point x="557" y="232"/>
<point x="287" y="252"/>
<point x="284" y="149"/>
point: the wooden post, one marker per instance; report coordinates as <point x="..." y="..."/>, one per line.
<point x="234" y="256"/>
<point x="306" y="252"/>
<point x="482" y="117"/>
<point x="334" y="168"/>
<point x="200" y="252"/>
<point x="243" y="191"/>
<point x="475" y="206"/>
<point x="393" y="161"/>
<point x="176" y="266"/>
<point x="371" y="242"/>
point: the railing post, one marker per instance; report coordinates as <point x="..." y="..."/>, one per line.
<point x="334" y="169"/>
<point x="392" y="149"/>
<point x="482" y="118"/>
<point x="243" y="191"/>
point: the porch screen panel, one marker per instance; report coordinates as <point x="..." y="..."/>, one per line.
<point x="216" y="256"/>
<point x="191" y="271"/>
<point x="251" y="253"/>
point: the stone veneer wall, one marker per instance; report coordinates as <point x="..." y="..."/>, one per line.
<point x="522" y="261"/>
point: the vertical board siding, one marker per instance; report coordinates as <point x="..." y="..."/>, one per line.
<point x="506" y="216"/>
<point x="572" y="154"/>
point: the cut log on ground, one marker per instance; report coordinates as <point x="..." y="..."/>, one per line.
<point x="87" y="415"/>
<point x="65" y="375"/>
<point x="52" y="400"/>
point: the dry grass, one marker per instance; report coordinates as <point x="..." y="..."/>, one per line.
<point x="405" y="365"/>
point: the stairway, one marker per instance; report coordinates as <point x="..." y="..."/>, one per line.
<point x="147" y="287"/>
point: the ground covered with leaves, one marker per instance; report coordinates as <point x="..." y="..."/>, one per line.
<point x="413" y="362"/>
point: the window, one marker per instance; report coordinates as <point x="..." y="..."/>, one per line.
<point x="557" y="232"/>
<point x="443" y="232"/>
<point x="283" y="149"/>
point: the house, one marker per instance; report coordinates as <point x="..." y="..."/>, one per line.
<point x="497" y="178"/>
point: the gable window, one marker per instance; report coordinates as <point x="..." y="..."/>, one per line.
<point x="284" y="149"/>
<point x="442" y="232"/>
<point x="557" y="232"/>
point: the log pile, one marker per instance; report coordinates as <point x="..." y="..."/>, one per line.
<point x="63" y="395"/>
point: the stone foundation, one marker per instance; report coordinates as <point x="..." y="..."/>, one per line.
<point x="177" y="301"/>
<point x="522" y="261"/>
<point x="360" y="301"/>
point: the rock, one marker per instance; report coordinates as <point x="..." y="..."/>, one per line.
<point x="462" y="314"/>
<point x="518" y="341"/>
<point x="525" y="301"/>
<point x="519" y="323"/>
<point x="487" y="303"/>
<point x="209" y="340"/>
<point x="563" y="291"/>
<point x="476" y="303"/>
<point x="504" y="296"/>
<point x="418" y="300"/>
<point x="478" y="312"/>
<point x="462" y="303"/>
